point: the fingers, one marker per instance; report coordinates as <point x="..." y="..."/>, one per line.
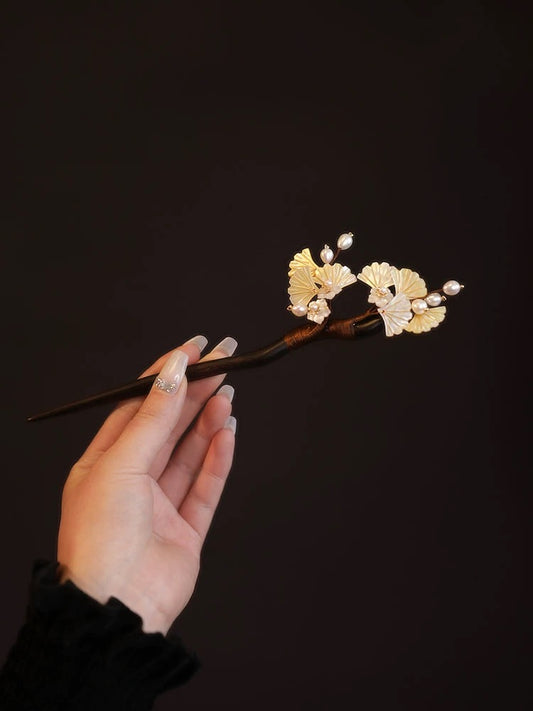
<point x="187" y="459"/>
<point x="125" y="410"/>
<point x="140" y="442"/>
<point x="197" y="395"/>
<point x="202" y="499"/>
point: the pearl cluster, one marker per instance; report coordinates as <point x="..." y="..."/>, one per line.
<point x="451" y="288"/>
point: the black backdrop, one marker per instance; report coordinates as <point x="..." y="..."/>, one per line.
<point x="163" y="163"/>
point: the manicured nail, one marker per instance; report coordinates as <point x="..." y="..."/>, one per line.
<point x="227" y="391"/>
<point x="199" y="341"/>
<point x="231" y="424"/>
<point x="226" y="345"/>
<point x="172" y="372"/>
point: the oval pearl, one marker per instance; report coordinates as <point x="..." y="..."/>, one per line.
<point x="451" y="288"/>
<point x="433" y="299"/>
<point x="299" y="310"/>
<point x="381" y="303"/>
<point x="419" y="306"/>
<point x="345" y="241"/>
<point x="326" y="255"/>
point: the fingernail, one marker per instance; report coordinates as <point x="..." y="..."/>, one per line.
<point x="172" y="372"/>
<point x="226" y="345"/>
<point x="231" y="424"/>
<point x="227" y="391"/>
<point x="199" y="341"/>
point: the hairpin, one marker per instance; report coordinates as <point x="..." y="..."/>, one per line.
<point x="411" y="308"/>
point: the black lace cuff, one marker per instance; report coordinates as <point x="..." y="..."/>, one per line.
<point x="75" y="653"/>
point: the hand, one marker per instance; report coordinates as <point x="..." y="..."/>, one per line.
<point x="137" y="506"/>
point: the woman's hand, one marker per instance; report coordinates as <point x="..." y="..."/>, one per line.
<point x="138" y="504"/>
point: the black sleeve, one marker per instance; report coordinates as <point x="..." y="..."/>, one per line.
<point x="75" y="654"/>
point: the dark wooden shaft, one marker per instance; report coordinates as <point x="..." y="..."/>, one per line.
<point x="351" y="328"/>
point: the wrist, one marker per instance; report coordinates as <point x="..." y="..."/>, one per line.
<point x="153" y="618"/>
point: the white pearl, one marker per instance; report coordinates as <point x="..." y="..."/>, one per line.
<point x="313" y="306"/>
<point x="451" y="288"/>
<point x="433" y="299"/>
<point x="381" y="303"/>
<point x="326" y="255"/>
<point x="299" y="310"/>
<point x="419" y="306"/>
<point x="345" y="241"/>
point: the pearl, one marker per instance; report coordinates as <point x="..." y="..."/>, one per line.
<point x="345" y="241"/>
<point x="433" y="299"/>
<point x="380" y="303"/>
<point x="451" y="288"/>
<point x="419" y="306"/>
<point x="299" y="310"/>
<point x="326" y="255"/>
<point x="313" y="306"/>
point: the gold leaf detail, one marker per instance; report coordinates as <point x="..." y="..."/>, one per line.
<point x="302" y="288"/>
<point x="376" y="275"/>
<point x="302" y="259"/>
<point x="408" y="282"/>
<point x="426" y="321"/>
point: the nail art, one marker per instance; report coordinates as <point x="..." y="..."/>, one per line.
<point x="172" y="372"/>
<point x="199" y="341"/>
<point x="227" y="345"/>
<point x="231" y="424"/>
<point x="227" y="391"/>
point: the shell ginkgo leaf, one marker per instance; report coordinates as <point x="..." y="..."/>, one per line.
<point x="396" y="314"/>
<point x="302" y="287"/>
<point x="302" y="259"/>
<point x="376" y="275"/>
<point x="408" y="282"/>
<point x="333" y="278"/>
<point x="426" y="321"/>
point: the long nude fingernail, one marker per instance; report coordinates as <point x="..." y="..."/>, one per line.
<point x="172" y="372"/>
<point x="199" y="341"/>
<point x="227" y="345"/>
<point x="227" y="391"/>
<point x="231" y="424"/>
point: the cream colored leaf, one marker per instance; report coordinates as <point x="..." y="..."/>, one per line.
<point x="376" y="275"/>
<point x="408" y="282"/>
<point x="333" y="277"/>
<point x="426" y="321"/>
<point x="302" y="259"/>
<point x="396" y="314"/>
<point x="302" y="288"/>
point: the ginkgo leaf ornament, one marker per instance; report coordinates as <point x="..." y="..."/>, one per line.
<point x="396" y="314"/>
<point x="423" y="322"/>
<point x="302" y="287"/>
<point x="333" y="278"/>
<point x="302" y="259"/>
<point x="307" y="280"/>
<point x="379" y="278"/>
<point x="408" y="282"/>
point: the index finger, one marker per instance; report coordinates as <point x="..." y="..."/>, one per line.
<point x="147" y="432"/>
<point x="114" y="424"/>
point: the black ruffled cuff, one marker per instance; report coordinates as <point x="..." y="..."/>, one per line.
<point x="75" y="653"/>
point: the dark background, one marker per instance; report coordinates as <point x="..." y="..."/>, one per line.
<point x="163" y="163"/>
